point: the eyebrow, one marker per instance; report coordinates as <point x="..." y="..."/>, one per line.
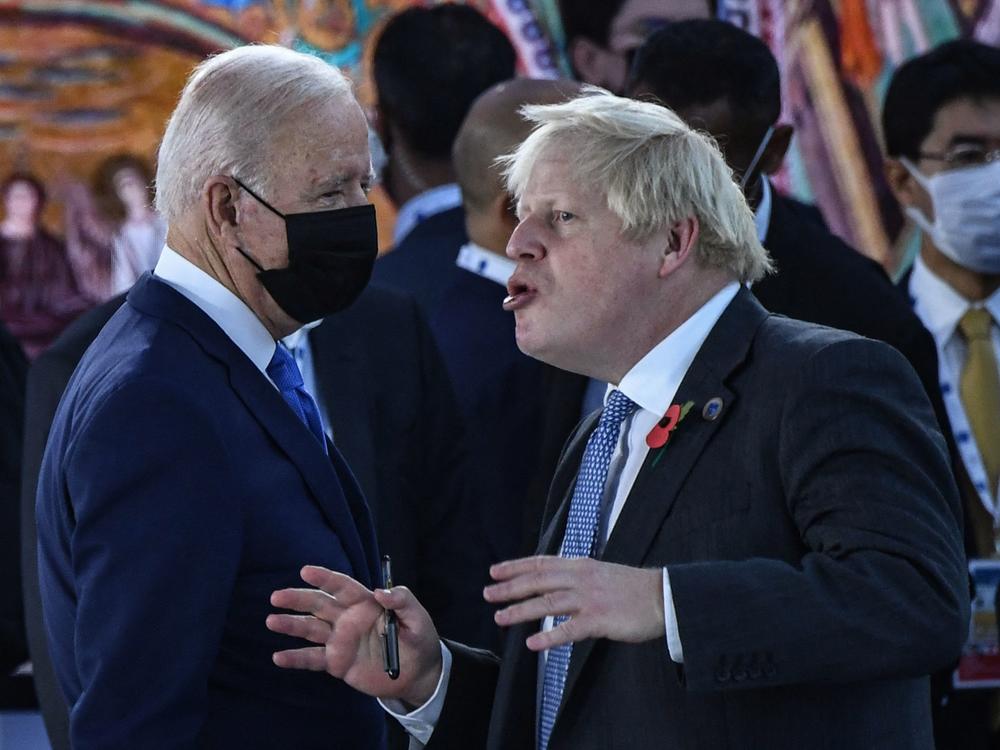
<point x="973" y="140"/>
<point x="340" y="180"/>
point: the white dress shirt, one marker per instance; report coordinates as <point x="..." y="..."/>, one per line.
<point x="940" y="308"/>
<point x="230" y="313"/>
<point x="423" y="206"/>
<point x="652" y="384"/>
<point x="762" y="216"/>
<point x="482" y="262"/>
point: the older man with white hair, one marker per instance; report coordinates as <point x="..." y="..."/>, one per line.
<point x="755" y="544"/>
<point x="187" y="473"/>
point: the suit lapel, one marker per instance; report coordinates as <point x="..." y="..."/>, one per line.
<point x="342" y="382"/>
<point x="557" y="506"/>
<point x="265" y="403"/>
<point x="660" y="479"/>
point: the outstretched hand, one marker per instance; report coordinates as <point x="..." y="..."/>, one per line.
<point x="346" y="621"/>
<point x="601" y="599"/>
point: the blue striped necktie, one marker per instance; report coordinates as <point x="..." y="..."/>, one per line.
<point x="579" y="540"/>
<point x="285" y="374"/>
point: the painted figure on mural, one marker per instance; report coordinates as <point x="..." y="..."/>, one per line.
<point x="114" y="235"/>
<point x="39" y="295"/>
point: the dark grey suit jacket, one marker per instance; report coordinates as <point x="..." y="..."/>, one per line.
<point x="811" y="533"/>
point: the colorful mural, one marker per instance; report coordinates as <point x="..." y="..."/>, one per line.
<point x="837" y="59"/>
<point x="86" y="82"/>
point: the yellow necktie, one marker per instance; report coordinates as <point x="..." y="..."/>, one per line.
<point x="980" y="390"/>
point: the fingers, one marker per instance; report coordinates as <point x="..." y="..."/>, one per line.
<point x="299" y="626"/>
<point x="550" y="604"/>
<point x="308" y="601"/>
<point x="342" y="587"/>
<point x="532" y="576"/>
<point x="569" y="631"/>
<point x="312" y="659"/>
<point x="402" y="601"/>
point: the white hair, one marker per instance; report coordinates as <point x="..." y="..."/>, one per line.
<point x="229" y="112"/>
<point x="654" y="169"/>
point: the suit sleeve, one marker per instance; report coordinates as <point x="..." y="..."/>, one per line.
<point x="880" y="590"/>
<point x="154" y="552"/>
<point x="468" y="705"/>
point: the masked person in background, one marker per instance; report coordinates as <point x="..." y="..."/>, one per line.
<point x="942" y="131"/>
<point x="186" y="462"/>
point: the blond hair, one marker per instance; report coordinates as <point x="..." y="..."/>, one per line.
<point x="654" y="169"/>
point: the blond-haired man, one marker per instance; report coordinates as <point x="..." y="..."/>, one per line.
<point x="755" y="544"/>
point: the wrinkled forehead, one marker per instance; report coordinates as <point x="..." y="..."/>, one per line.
<point x="320" y="141"/>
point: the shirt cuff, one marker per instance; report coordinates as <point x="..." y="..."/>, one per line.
<point x="420" y="722"/>
<point x="670" y="620"/>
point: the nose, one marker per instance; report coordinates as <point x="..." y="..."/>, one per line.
<point x="525" y="242"/>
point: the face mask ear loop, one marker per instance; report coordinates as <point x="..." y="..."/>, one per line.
<point x="916" y="174"/>
<point x="246" y="255"/>
<point x="260" y="200"/>
<point x="925" y="224"/>
<point x="266" y="205"/>
<point x="764" y="142"/>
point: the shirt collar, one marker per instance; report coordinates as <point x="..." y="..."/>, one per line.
<point x="762" y="216"/>
<point x="300" y="338"/>
<point x="423" y="206"/>
<point x="228" y="311"/>
<point x="482" y="262"/>
<point x="938" y="305"/>
<point x="653" y="381"/>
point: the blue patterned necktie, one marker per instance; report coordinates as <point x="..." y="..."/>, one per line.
<point x="579" y="540"/>
<point x="285" y="374"/>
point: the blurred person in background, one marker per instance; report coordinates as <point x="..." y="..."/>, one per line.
<point x="725" y="81"/>
<point x="429" y="65"/>
<point x="502" y="391"/>
<point x="39" y="295"/>
<point x="602" y="36"/>
<point x="941" y="121"/>
<point x="113" y="233"/>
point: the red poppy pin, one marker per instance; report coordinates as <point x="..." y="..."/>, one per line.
<point x="660" y="434"/>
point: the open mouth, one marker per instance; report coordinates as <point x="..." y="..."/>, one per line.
<point x="519" y="294"/>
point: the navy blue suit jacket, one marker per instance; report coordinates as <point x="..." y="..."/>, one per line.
<point x="424" y="257"/>
<point x="500" y="393"/>
<point x="177" y="491"/>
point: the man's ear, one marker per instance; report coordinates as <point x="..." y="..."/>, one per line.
<point x="218" y="196"/>
<point x="682" y="237"/>
<point x="777" y="148"/>
<point x="907" y="190"/>
<point x="593" y="63"/>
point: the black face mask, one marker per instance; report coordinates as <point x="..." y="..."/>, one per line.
<point x="330" y="260"/>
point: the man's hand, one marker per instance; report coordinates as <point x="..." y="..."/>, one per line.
<point x="347" y="621"/>
<point x="602" y="600"/>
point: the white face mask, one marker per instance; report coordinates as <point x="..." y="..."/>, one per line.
<point x="966" y="205"/>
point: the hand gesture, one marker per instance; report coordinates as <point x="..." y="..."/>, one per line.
<point x="346" y="621"/>
<point x="601" y="599"/>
